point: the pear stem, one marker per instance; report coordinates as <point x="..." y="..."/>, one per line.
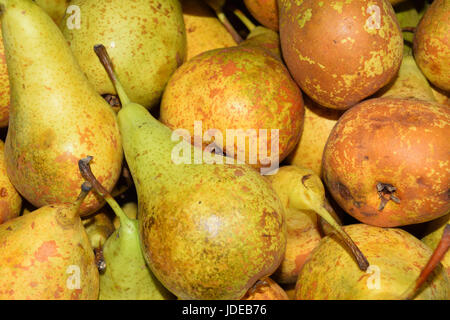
<point x="227" y="24"/>
<point x="87" y="174"/>
<point x="104" y="58"/>
<point x="85" y="188"/>
<point x="363" y="264"/>
<point x="434" y="260"/>
<point x="246" y="21"/>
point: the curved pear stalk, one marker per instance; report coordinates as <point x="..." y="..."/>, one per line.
<point x="126" y="275"/>
<point x="432" y="263"/>
<point x="246" y="21"/>
<point x="306" y="192"/>
<point x="217" y="6"/>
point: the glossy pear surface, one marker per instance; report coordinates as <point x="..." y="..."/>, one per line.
<point x="145" y="39"/>
<point x="56" y="116"/>
<point x="265" y="11"/>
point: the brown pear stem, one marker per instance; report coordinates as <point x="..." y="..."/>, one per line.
<point x="409" y="29"/>
<point x="87" y="174"/>
<point x="434" y="260"/>
<point x="85" y="188"/>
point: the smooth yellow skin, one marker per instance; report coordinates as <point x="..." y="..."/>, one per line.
<point x="54" y="8"/>
<point x="204" y="31"/>
<point x="319" y="122"/>
<point x="302" y="230"/>
<point x="4" y="86"/>
<point x="145" y="39"/>
<point x="433" y="235"/>
<point x="40" y="253"/>
<point x="10" y="200"/>
<point x="56" y="116"/>
<point x="332" y="273"/>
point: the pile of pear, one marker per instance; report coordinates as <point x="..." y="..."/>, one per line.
<point x="363" y="150"/>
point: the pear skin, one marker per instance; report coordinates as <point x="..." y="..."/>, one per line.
<point x="265" y="11"/>
<point x="396" y="258"/>
<point x="266" y="289"/>
<point x="98" y="229"/>
<point x="319" y="121"/>
<point x="56" y="116"/>
<point x="433" y="235"/>
<point x="204" y="31"/>
<point x="239" y="88"/>
<point x="56" y="9"/>
<point x="432" y="44"/>
<point x="208" y="231"/>
<point x="147" y="40"/>
<point x="10" y="199"/>
<point x="265" y="38"/>
<point x="4" y="86"/>
<point x="46" y="255"/>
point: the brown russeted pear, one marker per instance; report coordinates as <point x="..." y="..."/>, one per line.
<point x="46" y="255"/>
<point x="399" y="266"/>
<point x="432" y="44"/>
<point x="208" y="231"/>
<point x="265" y="289"/>
<point x="56" y="116"/>
<point x="357" y="48"/>
<point x="243" y="91"/>
<point x="265" y="11"/>
<point x="147" y="40"/>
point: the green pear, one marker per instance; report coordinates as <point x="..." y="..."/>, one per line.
<point x="396" y="263"/>
<point x="56" y="116"/>
<point x="147" y="40"/>
<point x="46" y="255"/>
<point x="56" y="9"/>
<point x="208" y="230"/>
<point x="126" y="275"/>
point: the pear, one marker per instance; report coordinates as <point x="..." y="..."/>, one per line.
<point x="433" y="234"/>
<point x="432" y="44"/>
<point x="303" y="195"/>
<point x="396" y="260"/>
<point x="10" y="200"/>
<point x="4" y="85"/>
<point x="208" y="231"/>
<point x="98" y="228"/>
<point x="409" y="83"/>
<point x="56" y="117"/>
<point x="386" y="161"/>
<point x="46" y="255"/>
<point x="441" y="96"/>
<point x="240" y="100"/>
<point x="260" y="36"/>
<point x="204" y="31"/>
<point x="146" y="39"/>
<point x="265" y="11"/>
<point x="265" y="289"/>
<point x="56" y="9"/>
<point x="319" y="121"/>
<point x="357" y="48"/>
<point x="130" y="209"/>
<point x="126" y="275"/>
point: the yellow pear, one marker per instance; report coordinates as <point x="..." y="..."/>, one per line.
<point x="10" y="200"/>
<point x="204" y="31"/>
